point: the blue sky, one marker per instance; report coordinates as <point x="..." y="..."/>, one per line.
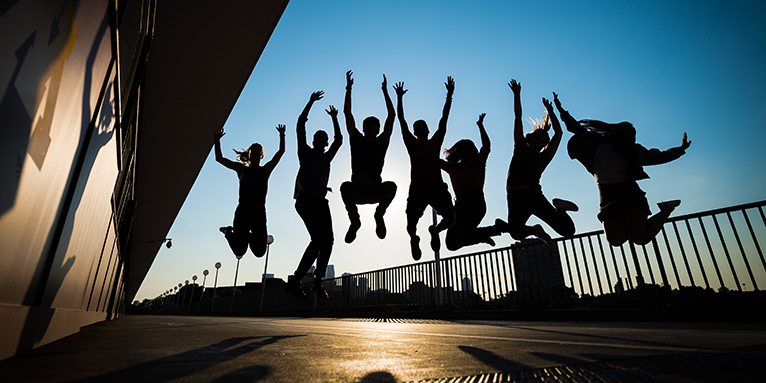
<point x="668" y="67"/>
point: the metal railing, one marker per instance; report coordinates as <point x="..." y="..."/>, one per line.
<point x="715" y="250"/>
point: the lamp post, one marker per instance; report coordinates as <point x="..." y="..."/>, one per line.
<point x="438" y="271"/>
<point x="194" y="288"/>
<point x="269" y="241"/>
<point x="215" y="285"/>
<point x="234" y="288"/>
<point x="175" y="288"/>
<point x="204" y="278"/>
<point x="187" y="288"/>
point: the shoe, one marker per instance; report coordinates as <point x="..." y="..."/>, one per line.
<point x="540" y="233"/>
<point x="435" y="242"/>
<point x="564" y="205"/>
<point x="489" y="241"/>
<point x="294" y="289"/>
<point x="380" y="226"/>
<point x="669" y="205"/>
<point x="352" y="229"/>
<point x="319" y="290"/>
<point x="225" y="229"/>
<point x="415" y="245"/>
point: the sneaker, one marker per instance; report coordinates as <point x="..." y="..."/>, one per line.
<point x="435" y="243"/>
<point x="564" y="205"/>
<point x="380" y="226"/>
<point x="352" y="229"/>
<point x="294" y="289"/>
<point x="669" y="205"/>
<point x="415" y="245"/>
<point x="225" y="229"/>
<point x="319" y="290"/>
<point x="540" y="233"/>
<point x="489" y="241"/>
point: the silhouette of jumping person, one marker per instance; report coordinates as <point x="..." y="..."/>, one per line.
<point x="249" y="227"/>
<point x="611" y="154"/>
<point x="466" y="167"/>
<point x="426" y="184"/>
<point x="368" y="152"/>
<point x="531" y="155"/>
<point x="310" y="202"/>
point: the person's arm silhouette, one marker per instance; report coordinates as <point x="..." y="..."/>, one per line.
<point x="388" y="125"/>
<point x="553" y="145"/>
<point x="269" y="166"/>
<point x="573" y="126"/>
<point x="518" y="126"/>
<point x="400" y="91"/>
<point x="350" y="124"/>
<point x="485" y="144"/>
<point x="236" y="166"/>
<point x="337" y="139"/>
<point x="441" y="130"/>
<point x="301" y="127"/>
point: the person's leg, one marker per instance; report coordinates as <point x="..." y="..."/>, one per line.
<point x="416" y="205"/>
<point x="454" y="233"/>
<point x="615" y="231"/>
<point x="305" y="211"/>
<point x="237" y="235"/>
<point x="641" y="230"/>
<point x="322" y="234"/>
<point x="473" y="213"/>
<point x="441" y="202"/>
<point x="557" y="219"/>
<point x="258" y="232"/>
<point x="519" y="211"/>
<point x="348" y="192"/>
<point x="387" y="192"/>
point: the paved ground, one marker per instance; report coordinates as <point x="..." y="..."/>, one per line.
<point x="216" y="349"/>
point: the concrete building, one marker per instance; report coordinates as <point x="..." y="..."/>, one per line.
<point x="99" y="101"/>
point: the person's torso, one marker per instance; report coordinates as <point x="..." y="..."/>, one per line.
<point x="253" y="185"/>
<point x="367" y="157"/>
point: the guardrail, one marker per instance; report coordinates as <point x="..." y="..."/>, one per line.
<point x="716" y="250"/>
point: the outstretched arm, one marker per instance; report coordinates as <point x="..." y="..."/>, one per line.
<point x="485" y="146"/>
<point x="278" y="155"/>
<point x="301" y="128"/>
<point x="337" y="139"/>
<point x="388" y="125"/>
<point x="236" y="166"/>
<point x="553" y="145"/>
<point x="350" y="124"/>
<point x="572" y="125"/>
<point x="518" y="126"/>
<point x="442" y="129"/>
<point x="400" y="91"/>
<point x="656" y="156"/>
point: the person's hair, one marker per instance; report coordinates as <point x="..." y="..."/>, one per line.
<point x="541" y="127"/>
<point x="371" y="122"/>
<point x="463" y="151"/>
<point x="244" y="156"/>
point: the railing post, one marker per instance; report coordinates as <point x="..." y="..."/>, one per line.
<point x="437" y="268"/>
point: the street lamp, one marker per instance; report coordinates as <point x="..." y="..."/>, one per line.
<point x="204" y="273"/>
<point x="194" y="288"/>
<point x="215" y="285"/>
<point x="234" y="290"/>
<point x="269" y="241"/>
<point x="175" y="288"/>
<point x="187" y="288"/>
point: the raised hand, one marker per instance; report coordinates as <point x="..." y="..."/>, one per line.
<point x="450" y="84"/>
<point x="515" y="86"/>
<point x="480" y="122"/>
<point x="548" y="105"/>
<point x="332" y="111"/>
<point x="349" y="80"/>
<point x="281" y="129"/>
<point x="556" y="100"/>
<point x="399" y="89"/>
<point x="384" y="84"/>
<point x="684" y="143"/>
<point x="218" y="133"/>
<point x="316" y="96"/>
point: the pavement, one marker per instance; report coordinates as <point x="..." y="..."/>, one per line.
<point x="247" y="349"/>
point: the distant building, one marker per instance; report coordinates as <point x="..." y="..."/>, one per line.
<point x="536" y="264"/>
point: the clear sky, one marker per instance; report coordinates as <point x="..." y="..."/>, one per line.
<point x="668" y="67"/>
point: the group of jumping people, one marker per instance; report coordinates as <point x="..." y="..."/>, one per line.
<point x="608" y="151"/>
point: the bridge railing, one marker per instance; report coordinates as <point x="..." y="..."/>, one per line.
<point x="716" y="250"/>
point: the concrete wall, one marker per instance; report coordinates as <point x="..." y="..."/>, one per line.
<point x="59" y="266"/>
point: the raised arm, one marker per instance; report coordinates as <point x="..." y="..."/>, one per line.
<point x="337" y="139"/>
<point x="553" y="145"/>
<point x="301" y="127"/>
<point x="400" y="91"/>
<point x="572" y="125"/>
<point x="442" y="129"/>
<point x="388" y="125"/>
<point x="350" y="124"/>
<point x="657" y="157"/>
<point x="518" y="126"/>
<point x="236" y="166"/>
<point x="269" y="166"/>
<point x="485" y="146"/>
